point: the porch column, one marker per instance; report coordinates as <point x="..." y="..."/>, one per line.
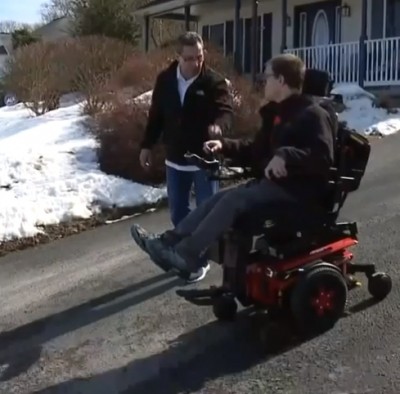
<point x="238" y="38"/>
<point x="362" y="46"/>
<point x="284" y="25"/>
<point x="254" y="40"/>
<point x="187" y="17"/>
<point x="146" y="33"/>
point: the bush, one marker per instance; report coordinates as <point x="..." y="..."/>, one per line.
<point x="139" y="72"/>
<point x="22" y="37"/>
<point x="33" y="75"/>
<point x="121" y="128"/>
<point x="41" y="72"/>
<point x="120" y="132"/>
<point x="90" y="62"/>
<point x="104" y="18"/>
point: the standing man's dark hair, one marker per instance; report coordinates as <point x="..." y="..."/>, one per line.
<point x="189" y="39"/>
<point x="191" y="104"/>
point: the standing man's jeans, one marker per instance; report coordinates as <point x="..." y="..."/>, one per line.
<point x="179" y="185"/>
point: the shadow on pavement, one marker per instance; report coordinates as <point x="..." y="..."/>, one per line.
<point x="226" y="349"/>
<point x="22" y="345"/>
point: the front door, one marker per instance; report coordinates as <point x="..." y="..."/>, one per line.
<point x="315" y="23"/>
<point x="320" y="30"/>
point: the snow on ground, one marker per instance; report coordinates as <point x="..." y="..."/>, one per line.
<point x="49" y="172"/>
<point x="361" y="113"/>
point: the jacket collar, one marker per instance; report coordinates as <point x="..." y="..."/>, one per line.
<point x="173" y="69"/>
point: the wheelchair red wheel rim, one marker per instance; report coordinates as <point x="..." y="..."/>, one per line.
<point x="324" y="301"/>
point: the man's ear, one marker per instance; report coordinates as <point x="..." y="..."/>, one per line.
<point x="281" y="80"/>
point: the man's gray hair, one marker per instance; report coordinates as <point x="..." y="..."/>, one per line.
<point x="189" y="39"/>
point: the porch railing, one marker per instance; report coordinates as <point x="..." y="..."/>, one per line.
<point x="340" y="60"/>
<point x="381" y="67"/>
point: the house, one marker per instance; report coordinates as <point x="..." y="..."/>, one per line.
<point x="55" y="30"/>
<point x="357" y="41"/>
<point x="5" y="50"/>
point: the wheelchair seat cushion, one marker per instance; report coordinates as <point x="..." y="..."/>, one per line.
<point x="285" y="219"/>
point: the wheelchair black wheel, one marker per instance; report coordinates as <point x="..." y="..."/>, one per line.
<point x="379" y="285"/>
<point x="225" y="308"/>
<point x="318" y="300"/>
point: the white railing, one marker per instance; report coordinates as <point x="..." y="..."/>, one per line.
<point x="340" y="60"/>
<point x="382" y="61"/>
<point x="382" y="64"/>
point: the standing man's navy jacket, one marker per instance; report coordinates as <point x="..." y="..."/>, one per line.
<point x="185" y="127"/>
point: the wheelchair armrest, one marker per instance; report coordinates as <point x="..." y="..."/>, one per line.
<point x="201" y="162"/>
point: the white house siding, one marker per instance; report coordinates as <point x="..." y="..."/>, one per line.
<point x="221" y="11"/>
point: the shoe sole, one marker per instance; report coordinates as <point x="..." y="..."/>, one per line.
<point x="138" y="238"/>
<point x="142" y="245"/>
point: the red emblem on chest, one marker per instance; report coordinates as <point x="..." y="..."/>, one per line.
<point x="277" y="120"/>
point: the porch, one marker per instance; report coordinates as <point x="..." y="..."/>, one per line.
<point x="244" y="29"/>
<point x="381" y="65"/>
<point x="357" y="41"/>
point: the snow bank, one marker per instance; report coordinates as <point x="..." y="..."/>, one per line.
<point x="362" y="114"/>
<point x="49" y="172"/>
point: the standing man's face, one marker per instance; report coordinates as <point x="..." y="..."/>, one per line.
<point x="191" y="60"/>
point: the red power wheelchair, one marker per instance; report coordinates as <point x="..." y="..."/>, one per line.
<point x="294" y="261"/>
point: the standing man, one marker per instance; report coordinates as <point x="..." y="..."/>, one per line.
<point x="191" y="104"/>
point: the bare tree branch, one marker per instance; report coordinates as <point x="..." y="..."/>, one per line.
<point x="10" y="26"/>
<point x="54" y="9"/>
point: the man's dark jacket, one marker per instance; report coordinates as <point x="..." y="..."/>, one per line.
<point x="299" y="131"/>
<point x="185" y="128"/>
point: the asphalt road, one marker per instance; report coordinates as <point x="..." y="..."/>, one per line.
<point x="90" y="314"/>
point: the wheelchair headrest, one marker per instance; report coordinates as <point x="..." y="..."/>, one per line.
<point x="317" y="83"/>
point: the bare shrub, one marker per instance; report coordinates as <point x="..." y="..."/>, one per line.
<point x="120" y="132"/>
<point x="139" y="71"/>
<point x="34" y="76"/>
<point x="89" y="63"/>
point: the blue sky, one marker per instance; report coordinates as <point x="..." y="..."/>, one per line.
<point x="26" y="11"/>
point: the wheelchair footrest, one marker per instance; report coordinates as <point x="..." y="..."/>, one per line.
<point x="201" y="296"/>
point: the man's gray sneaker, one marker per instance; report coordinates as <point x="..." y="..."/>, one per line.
<point x="200" y="275"/>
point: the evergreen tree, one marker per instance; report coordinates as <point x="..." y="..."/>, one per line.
<point x="104" y="17"/>
<point x="22" y="37"/>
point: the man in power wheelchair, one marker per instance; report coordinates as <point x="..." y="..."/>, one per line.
<point x="292" y="204"/>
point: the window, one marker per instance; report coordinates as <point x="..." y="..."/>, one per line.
<point x="229" y="31"/>
<point x="338" y="24"/>
<point x="303" y="30"/>
<point x="247" y="45"/>
<point x="266" y="39"/>
<point x="392" y="18"/>
<point x="205" y="32"/>
<point x="217" y="35"/>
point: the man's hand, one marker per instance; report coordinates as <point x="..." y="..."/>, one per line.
<point x="276" y="168"/>
<point x="214" y="131"/>
<point x="145" y="158"/>
<point x="213" y="146"/>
